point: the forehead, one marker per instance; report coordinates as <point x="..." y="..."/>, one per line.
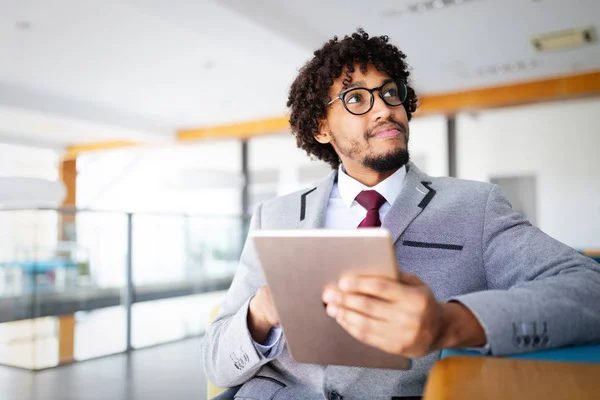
<point x="371" y="78"/>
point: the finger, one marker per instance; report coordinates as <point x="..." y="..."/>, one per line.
<point x="401" y="322"/>
<point x="398" y="338"/>
<point x="365" y="329"/>
<point x="272" y="314"/>
<point x="366" y="305"/>
<point x="378" y="287"/>
<point x="268" y="294"/>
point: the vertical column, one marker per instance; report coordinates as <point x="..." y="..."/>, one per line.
<point x="129" y="289"/>
<point x="66" y="338"/>
<point x="451" y="131"/>
<point x="245" y="198"/>
<point x="246" y="177"/>
<point x="66" y="231"/>
<point x="67" y="173"/>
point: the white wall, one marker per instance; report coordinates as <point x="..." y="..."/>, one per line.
<point x="197" y="178"/>
<point x="28" y="162"/>
<point x="19" y="230"/>
<point x="428" y="145"/>
<point x="280" y="152"/>
<point x="559" y="143"/>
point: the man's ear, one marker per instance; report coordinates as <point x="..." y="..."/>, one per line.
<point x="323" y="136"/>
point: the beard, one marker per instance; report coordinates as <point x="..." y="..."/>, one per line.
<point x="390" y="161"/>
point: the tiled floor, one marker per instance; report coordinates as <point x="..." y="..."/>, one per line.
<point x="171" y="372"/>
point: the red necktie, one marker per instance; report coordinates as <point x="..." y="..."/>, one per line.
<point x="372" y="201"/>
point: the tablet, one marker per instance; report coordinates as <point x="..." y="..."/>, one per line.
<point x="298" y="264"/>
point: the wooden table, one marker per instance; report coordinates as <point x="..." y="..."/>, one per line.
<point x="467" y="378"/>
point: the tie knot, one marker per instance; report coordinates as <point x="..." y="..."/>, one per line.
<point x="370" y="199"/>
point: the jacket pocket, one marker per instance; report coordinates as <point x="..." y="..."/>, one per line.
<point x="432" y="245"/>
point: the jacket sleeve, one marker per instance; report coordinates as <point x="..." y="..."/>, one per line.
<point x="542" y="294"/>
<point x="229" y="354"/>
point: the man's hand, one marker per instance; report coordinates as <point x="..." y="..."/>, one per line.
<point x="401" y="317"/>
<point x="261" y="315"/>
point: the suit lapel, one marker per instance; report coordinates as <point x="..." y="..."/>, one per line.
<point x="313" y="203"/>
<point x="415" y="195"/>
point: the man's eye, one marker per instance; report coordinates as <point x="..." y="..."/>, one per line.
<point x="354" y="98"/>
<point x="391" y="93"/>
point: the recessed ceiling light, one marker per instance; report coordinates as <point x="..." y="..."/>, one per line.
<point x="565" y="40"/>
<point x="438" y="3"/>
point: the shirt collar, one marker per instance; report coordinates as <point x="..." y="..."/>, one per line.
<point x="389" y="188"/>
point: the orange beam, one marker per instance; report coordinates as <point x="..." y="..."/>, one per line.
<point x="74" y="151"/>
<point x="572" y="86"/>
<point x="66" y="222"/>
<point x="66" y="338"/>
<point x="241" y="130"/>
<point x="67" y="172"/>
<point x="562" y="87"/>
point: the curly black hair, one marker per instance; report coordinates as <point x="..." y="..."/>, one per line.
<point x="309" y="94"/>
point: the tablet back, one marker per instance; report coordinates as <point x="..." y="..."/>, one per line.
<point x="298" y="264"/>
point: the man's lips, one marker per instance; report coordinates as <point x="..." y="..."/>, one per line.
<point x="388" y="132"/>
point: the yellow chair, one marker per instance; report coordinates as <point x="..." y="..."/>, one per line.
<point x="211" y="389"/>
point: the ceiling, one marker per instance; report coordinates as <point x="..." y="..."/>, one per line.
<point x="75" y="72"/>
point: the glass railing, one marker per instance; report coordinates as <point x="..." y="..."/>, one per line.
<point x="78" y="284"/>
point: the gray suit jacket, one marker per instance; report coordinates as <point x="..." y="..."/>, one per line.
<point x="463" y="239"/>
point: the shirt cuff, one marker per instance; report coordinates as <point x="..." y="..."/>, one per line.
<point x="270" y="342"/>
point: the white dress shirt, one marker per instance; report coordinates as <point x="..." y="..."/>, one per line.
<point x="344" y="212"/>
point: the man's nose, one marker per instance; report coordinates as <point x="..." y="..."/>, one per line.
<point x="380" y="110"/>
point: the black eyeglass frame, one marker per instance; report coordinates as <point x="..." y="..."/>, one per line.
<point x="399" y="84"/>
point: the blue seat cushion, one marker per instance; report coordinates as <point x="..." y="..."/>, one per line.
<point x="583" y="354"/>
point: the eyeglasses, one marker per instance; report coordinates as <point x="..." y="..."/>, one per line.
<point x="359" y="101"/>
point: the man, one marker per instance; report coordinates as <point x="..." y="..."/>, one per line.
<point x="474" y="273"/>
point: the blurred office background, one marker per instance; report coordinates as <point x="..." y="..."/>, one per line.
<point x="137" y="136"/>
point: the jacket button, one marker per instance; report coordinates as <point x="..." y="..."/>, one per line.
<point x="545" y="340"/>
<point x="335" y="396"/>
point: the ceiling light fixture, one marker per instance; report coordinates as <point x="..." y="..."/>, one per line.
<point x="565" y="40"/>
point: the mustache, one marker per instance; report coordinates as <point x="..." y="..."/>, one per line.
<point x="390" y="121"/>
